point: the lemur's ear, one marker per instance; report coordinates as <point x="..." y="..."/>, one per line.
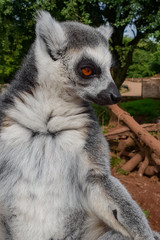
<point x="106" y="31"/>
<point x="51" y="32"/>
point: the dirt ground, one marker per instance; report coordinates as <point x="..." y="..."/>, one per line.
<point x="146" y="192"/>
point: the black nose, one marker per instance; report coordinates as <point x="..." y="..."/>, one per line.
<point x="115" y="98"/>
<point x="114" y="93"/>
<point x="109" y="96"/>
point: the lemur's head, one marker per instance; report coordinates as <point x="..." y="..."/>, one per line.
<point x="78" y="57"/>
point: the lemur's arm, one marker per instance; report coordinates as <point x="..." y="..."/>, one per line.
<point x="113" y="235"/>
<point x="111" y="202"/>
<point x="107" y="197"/>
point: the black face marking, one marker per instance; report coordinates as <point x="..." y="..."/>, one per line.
<point x="88" y="63"/>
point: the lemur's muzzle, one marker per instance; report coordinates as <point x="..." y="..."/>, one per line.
<point x="108" y="96"/>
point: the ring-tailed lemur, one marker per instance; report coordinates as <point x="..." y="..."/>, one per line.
<point x="55" y="181"/>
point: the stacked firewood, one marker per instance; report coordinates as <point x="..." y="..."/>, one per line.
<point x="138" y="145"/>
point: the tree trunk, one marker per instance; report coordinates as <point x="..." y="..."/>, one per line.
<point x="120" y="73"/>
<point x="123" y="60"/>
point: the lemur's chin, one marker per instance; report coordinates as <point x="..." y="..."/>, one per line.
<point x="108" y="96"/>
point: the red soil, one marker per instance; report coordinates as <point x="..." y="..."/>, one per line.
<point x="146" y="192"/>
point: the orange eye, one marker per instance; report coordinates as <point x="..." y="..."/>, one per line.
<point x="87" y="71"/>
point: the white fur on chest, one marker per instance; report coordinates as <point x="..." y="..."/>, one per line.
<point x="44" y="195"/>
<point x="46" y="164"/>
<point x="42" y="156"/>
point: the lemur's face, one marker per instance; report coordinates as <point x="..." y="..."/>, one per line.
<point x="78" y="55"/>
<point x="90" y="73"/>
<point x="89" y="63"/>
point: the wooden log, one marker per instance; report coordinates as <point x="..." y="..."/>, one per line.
<point x="127" y="154"/>
<point x="142" y="134"/>
<point x="123" y="144"/>
<point x="144" y="165"/>
<point x="133" y="162"/>
<point x="126" y="143"/>
<point x="111" y="154"/>
<point x="155" y="159"/>
<point x="151" y="170"/>
<point x="152" y="127"/>
<point x="117" y="137"/>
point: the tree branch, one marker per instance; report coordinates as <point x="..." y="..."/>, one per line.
<point x="142" y="134"/>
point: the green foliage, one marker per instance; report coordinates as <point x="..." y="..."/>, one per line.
<point x="146" y="212"/>
<point x="102" y="113"/>
<point x="120" y="14"/>
<point x="148" y="108"/>
<point x="121" y="171"/>
<point x="17" y="32"/>
<point x="155" y="63"/>
<point x="115" y="161"/>
<point x="105" y="131"/>
<point x="146" y="60"/>
<point x="122" y="52"/>
<point x="76" y="10"/>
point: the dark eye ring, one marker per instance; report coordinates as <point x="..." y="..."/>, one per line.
<point x="87" y="69"/>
